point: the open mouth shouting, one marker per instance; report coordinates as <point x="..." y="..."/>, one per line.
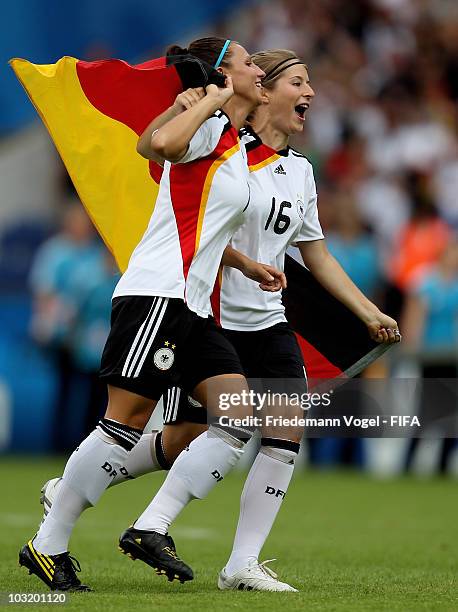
<point x="301" y="109"/>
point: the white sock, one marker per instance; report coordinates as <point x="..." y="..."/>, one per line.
<point x="262" y="496"/>
<point x="142" y="459"/>
<point x="87" y="474"/>
<point x="195" y="472"/>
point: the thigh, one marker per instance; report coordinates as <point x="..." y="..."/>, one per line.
<point x="178" y="435"/>
<point x="271" y="357"/>
<point x="128" y="408"/>
<point x="210" y="354"/>
<point x="276" y="371"/>
<point x="215" y="376"/>
<point x="282" y="357"/>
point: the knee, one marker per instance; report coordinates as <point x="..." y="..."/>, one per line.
<point x="177" y="436"/>
<point x="281" y="449"/>
<point x="128" y="408"/>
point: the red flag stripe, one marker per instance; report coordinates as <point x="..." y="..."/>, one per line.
<point x="133" y="95"/>
<point x="316" y="364"/>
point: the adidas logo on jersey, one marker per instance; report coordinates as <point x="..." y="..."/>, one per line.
<point x="279" y="170"/>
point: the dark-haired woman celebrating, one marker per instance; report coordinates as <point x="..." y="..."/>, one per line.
<point x="160" y="331"/>
<point x="279" y="176"/>
<point x="282" y="212"/>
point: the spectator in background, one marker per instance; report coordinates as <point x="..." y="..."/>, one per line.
<point x="74" y="252"/>
<point x="430" y="334"/>
<point x="421" y="241"/>
<point x="91" y="326"/>
<point x="446" y="189"/>
<point x="354" y="246"/>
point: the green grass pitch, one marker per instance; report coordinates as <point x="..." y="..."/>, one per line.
<point x="346" y="541"/>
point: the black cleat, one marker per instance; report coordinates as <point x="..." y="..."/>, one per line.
<point x="156" y="550"/>
<point x="58" y="572"/>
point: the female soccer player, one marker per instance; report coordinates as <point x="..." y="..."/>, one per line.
<point x="282" y="212"/>
<point x="161" y="334"/>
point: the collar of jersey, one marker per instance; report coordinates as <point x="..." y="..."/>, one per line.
<point x="258" y="142"/>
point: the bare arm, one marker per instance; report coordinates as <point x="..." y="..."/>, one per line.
<point x="170" y="142"/>
<point x="330" y="274"/>
<point x="186" y="99"/>
<point x="268" y="277"/>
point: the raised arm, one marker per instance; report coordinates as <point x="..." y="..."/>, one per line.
<point x="185" y="100"/>
<point x="330" y="274"/>
<point x="169" y="135"/>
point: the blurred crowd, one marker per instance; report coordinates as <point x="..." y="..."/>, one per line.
<point x="72" y="279"/>
<point x="382" y="134"/>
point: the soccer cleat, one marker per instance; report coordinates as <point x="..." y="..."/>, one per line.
<point x="255" y="577"/>
<point x="58" y="572"/>
<point x="156" y="550"/>
<point x="48" y="493"/>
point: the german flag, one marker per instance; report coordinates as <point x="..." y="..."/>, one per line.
<point x="95" y="112"/>
<point x="334" y="343"/>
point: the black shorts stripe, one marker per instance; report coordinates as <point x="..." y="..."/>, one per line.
<point x="176" y="403"/>
<point x="169" y="401"/>
<point x="137" y="339"/>
<point x="152" y="335"/>
<point x="148" y="337"/>
<point x="144" y="340"/>
<point x="172" y="399"/>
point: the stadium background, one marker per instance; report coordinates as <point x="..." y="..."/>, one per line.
<point x="382" y="135"/>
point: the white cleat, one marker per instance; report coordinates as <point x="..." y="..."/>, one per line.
<point x="48" y="494"/>
<point x="256" y="577"/>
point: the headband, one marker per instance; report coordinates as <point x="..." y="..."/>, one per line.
<point x="278" y="68"/>
<point x="223" y="52"/>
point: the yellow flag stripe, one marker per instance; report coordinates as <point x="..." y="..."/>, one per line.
<point x="112" y="180"/>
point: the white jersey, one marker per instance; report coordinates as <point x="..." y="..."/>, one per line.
<point x="200" y="204"/>
<point x="283" y="211"/>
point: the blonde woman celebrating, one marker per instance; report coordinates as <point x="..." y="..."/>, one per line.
<point x="282" y="212"/>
